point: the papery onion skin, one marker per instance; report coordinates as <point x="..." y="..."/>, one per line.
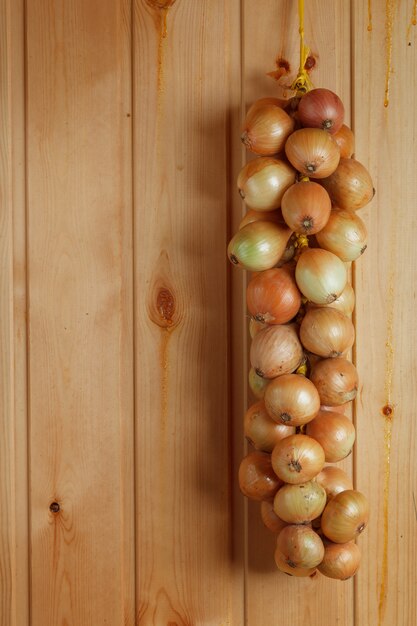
<point x="258" y="246"/>
<point x="300" y="546"/>
<point x="257" y="384"/>
<point x="276" y="351"/>
<point x="334" y="480"/>
<point x="345" y="516"/>
<point x="299" y="572"/>
<point x="335" y="433"/>
<point x="300" y="504"/>
<point x="305" y="208"/>
<point x="320" y="275"/>
<point x="263" y="181"/>
<point x="261" y="430"/>
<point x="336" y="381"/>
<point x="350" y="186"/>
<point x="292" y="399"/>
<point x="262" y="216"/>
<point x="341" y="408"/>
<point x="340" y="561"/>
<point x="344" y="303"/>
<point x="345" y="139"/>
<point x="321" y="108"/>
<point x="273" y="297"/>
<point x="327" y="332"/>
<point x="270" y="518"/>
<point x="297" y="459"/>
<point x="255" y="326"/>
<point x="313" y="152"/>
<point x="266" y="128"/>
<point x="344" y="234"/>
<point x="257" y="479"/>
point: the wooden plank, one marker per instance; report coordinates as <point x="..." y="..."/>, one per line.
<point x="80" y="312"/>
<point x="14" y="594"/>
<point x="181" y="169"/>
<point x="386" y="469"/>
<point x="269" y="34"/>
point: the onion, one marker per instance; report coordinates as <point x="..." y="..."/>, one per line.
<point x="292" y="399"/>
<point x="300" y="504"/>
<point x="255" y="327"/>
<point x="345" y="516"/>
<point x="340" y="561"/>
<point x="344" y="234"/>
<point x="341" y="408"/>
<point x="261" y="431"/>
<point x="350" y="186"/>
<point x="321" y="108"/>
<point x="276" y="351"/>
<point x="262" y="183"/>
<point x="257" y="384"/>
<point x="321" y="276"/>
<point x="305" y="207"/>
<point x="266" y="128"/>
<point x="335" y="433"/>
<point x="299" y="572"/>
<point x="344" y="303"/>
<point x="262" y="216"/>
<point x="257" y="479"/>
<point x="313" y="152"/>
<point x="345" y="139"/>
<point x="270" y="519"/>
<point x="297" y="459"/>
<point x="336" y="381"/>
<point x="273" y="297"/>
<point x="327" y="332"/>
<point x="258" y="246"/>
<point x="299" y="546"/>
<point x="334" y="480"/>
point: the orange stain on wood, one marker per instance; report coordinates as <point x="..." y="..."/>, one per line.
<point x="413" y="19"/>
<point x="389" y="25"/>
<point x="369" y="15"/>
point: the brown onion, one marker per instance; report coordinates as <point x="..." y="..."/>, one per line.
<point x="313" y="152"/>
<point x="336" y="381"/>
<point x="299" y="572"/>
<point x="292" y="399"/>
<point x="257" y="479"/>
<point x="321" y="276"/>
<point x="341" y="408"/>
<point x="266" y="128"/>
<point x="276" y="351"/>
<point x="258" y="246"/>
<point x="344" y="303"/>
<point x="335" y="433"/>
<point x="262" y="216"/>
<point x="255" y="327"/>
<point x="257" y="384"/>
<point x="262" y="431"/>
<point x="345" y="139"/>
<point x="270" y="519"/>
<point x="300" y="504"/>
<point x="305" y="207"/>
<point x="341" y="560"/>
<point x="345" y="516"/>
<point x="334" y="480"/>
<point x="344" y="234"/>
<point x="327" y="332"/>
<point x="262" y="183"/>
<point x="321" y="108"/>
<point x="273" y="297"/>
<point x="350" y="186"/>
<point x="300" y="546"/>
<point x="297" y="459"/>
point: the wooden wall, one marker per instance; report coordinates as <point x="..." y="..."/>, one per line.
<point x="123" y="334"/>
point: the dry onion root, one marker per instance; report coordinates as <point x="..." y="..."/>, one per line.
<point x="300" y="303"/>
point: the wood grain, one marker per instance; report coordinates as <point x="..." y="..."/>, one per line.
<point x="80" y="312"/>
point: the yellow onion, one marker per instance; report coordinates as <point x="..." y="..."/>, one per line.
<point x="300" y="504"/>
<point x="350" y="186"/>
<point x="327" y="332"/>
<point x="321" y="276"/>
<point x="257" y="479"/>
<point x="344" y="234"/>
<point x="299" y="546"/>
<point x="297" y="459"/>
<point x="341" y="560"/>
<point x="262" y="183"/>
<point x="344" y="303"/>
<point x="345" y="139"/>
<point x="288" y="254"/>
<point x="336" y="381"/>
<point x="321" y="108"/>
<point x="255" y="326"/>
<point x="299" y="572"/>
<point x="334" y="480"/>
<point x="269" y="517"/>
<point x="345" y="516"/>
<point x="266" y="128"/>
<point x="306" y="207"/>
<point x="292" y="399"/>
<point x="257" y="384"/>
<point x="335" y="433"/>
<point x="276" y="350"/>
<point x="262" y="216"/>
<point x="273" y="297"/>
<point x="313" y="152"/>
<point x="258" y="246"/>
<point x="261" y="431"/>
<point x="341" y="408"/>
